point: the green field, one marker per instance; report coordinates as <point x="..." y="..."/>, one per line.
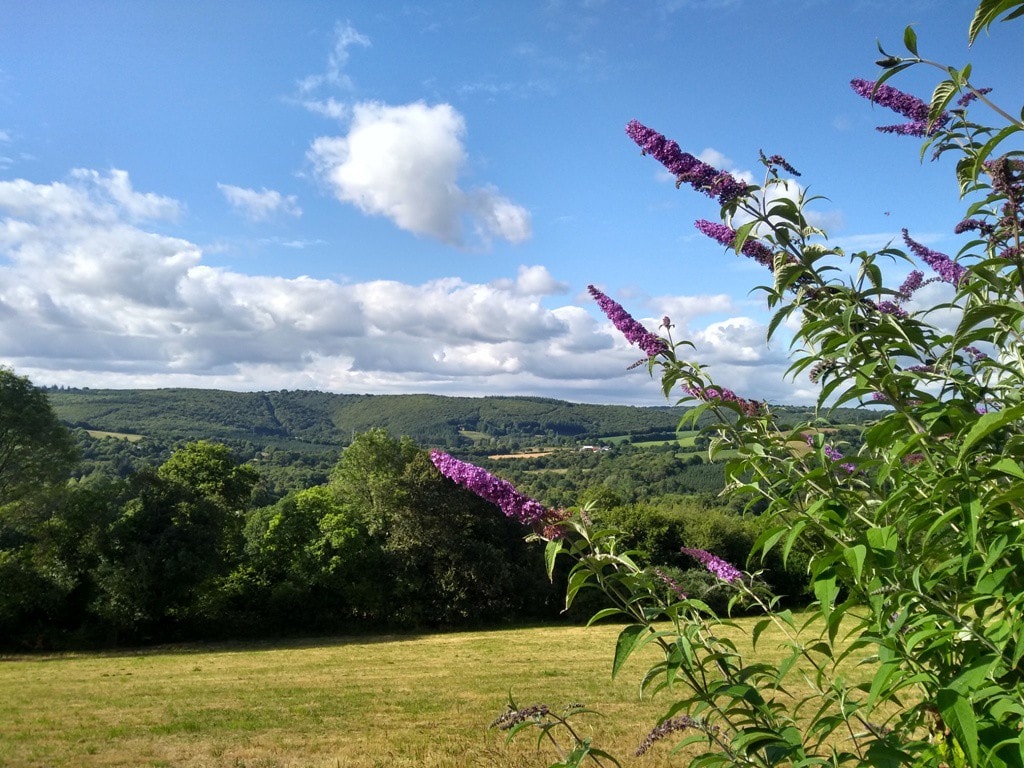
<point x="416" y="700"/>
<point x="99" y="434"/>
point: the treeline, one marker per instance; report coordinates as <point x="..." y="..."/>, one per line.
<point x="293" y="418"/>
<point x="297" y="420"/>
<point x="193" y="547"/>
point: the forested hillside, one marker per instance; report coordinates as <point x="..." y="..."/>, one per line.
<point x="295" y="437"/>
<point x="170" y="514"/>
<point x="320" y="418"/>
<point x="291" y="419"/>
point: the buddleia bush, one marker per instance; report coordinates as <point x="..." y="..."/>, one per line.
<point x="916" y="536"/>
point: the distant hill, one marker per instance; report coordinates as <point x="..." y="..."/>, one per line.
<point x="290" y="419"/>
<point x="295" y="437"/>
<point x="300" y="419"/>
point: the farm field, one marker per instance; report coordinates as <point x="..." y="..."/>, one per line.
<point x="399" y="700"/>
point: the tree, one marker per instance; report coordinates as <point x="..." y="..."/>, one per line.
<point x="211" y="470"/>
<point x="366" y="476"/>
<point x="36" y="451"/>
<point x="174" y="539"/>
<point x="36" y="455"/>
<point x="311" y="565"/>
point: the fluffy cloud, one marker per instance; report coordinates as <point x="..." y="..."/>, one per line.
<point x="90" y="297"/>
<point x="403" y="162"/>
<point x="262" y="205"/>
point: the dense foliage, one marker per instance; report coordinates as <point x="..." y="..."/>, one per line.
<point x="187" y="540"/>
<point x="914" y="537"/>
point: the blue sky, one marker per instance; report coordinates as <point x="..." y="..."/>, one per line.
<point x="412" y="197"/>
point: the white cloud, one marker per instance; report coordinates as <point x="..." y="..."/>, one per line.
<point x="403" y="162"/>
<point x="533" y="281"/>
<point x="89" y="297"/>
<point x="310" y="89"/>
<point x="137" y="205"/>
<point x="345" y="36"/>
<point x="261" y="205"/>
<point x="329" y="107"/>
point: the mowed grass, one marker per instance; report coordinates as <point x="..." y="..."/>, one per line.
<point x="98" y="434"/>
<point x="417" y="700"/>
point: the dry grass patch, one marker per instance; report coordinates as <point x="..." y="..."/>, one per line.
<point x="399" y="701"/>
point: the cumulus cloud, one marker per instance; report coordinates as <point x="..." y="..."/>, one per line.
<point x="136" y="205"/>
<point x="403" y="163"/>
<point x="261" y="205"/>
<point x="533" y="281"/>
<point x="90" y="297"/>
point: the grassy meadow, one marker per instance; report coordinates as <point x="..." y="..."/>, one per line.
<point x="400" y="700"/>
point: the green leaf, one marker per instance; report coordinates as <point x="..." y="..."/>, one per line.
<point x="988" y="11"/>
<point x="1009" y="467"/>
<point x="550" y="555"/>
<point x="826" y="590"/>
<point x="883" y="755"/>
<point x="941" y="96"/>
<point x="987" y="424"/>
<point x="760" y="627"/>
<point x="884" y="538"/>
<point x="855" y="559"/>
<point x="975" y="163"/>
<point x="604" y="613"/>
<point x="910" y="40"/>
<point x="958" y="715"/>
<point x="742" y="234"/>
<point x="630" y="638"/>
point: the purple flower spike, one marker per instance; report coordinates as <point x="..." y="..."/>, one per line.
<point x="686" y="168"/>
<point x="914" y="281"/>
<point x="714" y="564"/>
<point x="970" y="96"/>
<point x="947" y="269"/>
<point x="911" y="107"/>
<point x="755" y="249"/>
<point x="493" y="489"/>
<point x="722" y="395"/>
<point x="634" y="332"/>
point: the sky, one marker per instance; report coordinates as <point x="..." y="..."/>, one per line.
<point x="409" y="197"/>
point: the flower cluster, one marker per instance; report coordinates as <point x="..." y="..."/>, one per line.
<point x="913" y="282"/>
<point x="833" y="454"/>
<point x="891" y="308"/>
<point x="670" y="726"/>
<point x="671" y="583"/>
<point x="686" y="168"/>
<point x="634" y="332"/>
<point x="493" y="489"/>
<point x="970" y="96"/>
<point x="967" y="225"/>
<point x="778" y="160"/>
<point x="947" y="269"/>
<point x="726" y="235"/>
<point x="722" y="395"/>
<point x="975" y="354"/>
<point x="714" y="564"/>
<point x="911" y="107"/>
<point x="511" y="717"/>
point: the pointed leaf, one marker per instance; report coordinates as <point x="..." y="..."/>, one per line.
<point x="550" y="555"/>
<point x="988" y="11"/>
<point x="958" y="715"/>
<point x="910" y="40"/>
<point x="629" y="639"/>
